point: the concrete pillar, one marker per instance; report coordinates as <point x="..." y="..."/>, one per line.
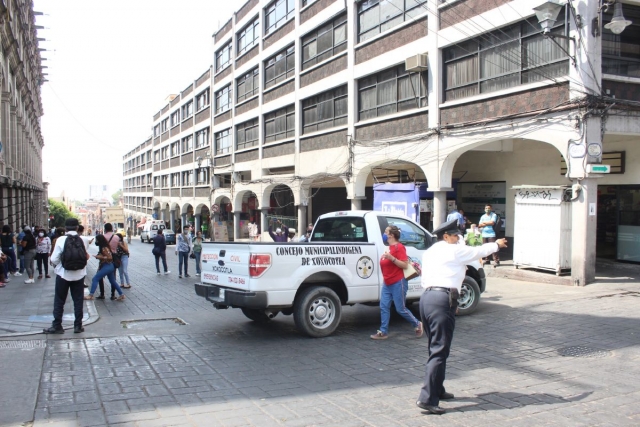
<point x="183" y="218"/>
<point x="236" y="226"/>
<point x="302" y="220"/>
<point x="439" y="213"/>
<point x="583" y="236"/>
<point x="172" y="219"/>
<point x="356" y="204"/>
<point x="197" y="222"/>
<point x="264" y="225"/>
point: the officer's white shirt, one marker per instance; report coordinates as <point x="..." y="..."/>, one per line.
<point x="69" y="275"/>
<point x="444" y="264"/>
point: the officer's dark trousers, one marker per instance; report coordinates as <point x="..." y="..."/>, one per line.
<point x="77" y="294"/>
<point x="439" y="321"/>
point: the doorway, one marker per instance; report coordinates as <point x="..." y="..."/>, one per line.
<point x="618" y="223"/>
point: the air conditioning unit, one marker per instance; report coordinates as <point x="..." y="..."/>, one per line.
<point x="416" y="63"/>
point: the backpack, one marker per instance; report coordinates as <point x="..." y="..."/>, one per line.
<point x="498" y="223"/>
<point x="74" y="254"/>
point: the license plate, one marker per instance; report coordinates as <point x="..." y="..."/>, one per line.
<point x="221" y="294"/>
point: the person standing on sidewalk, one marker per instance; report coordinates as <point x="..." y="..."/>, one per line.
<point x="28" y="244"/>
<point x="123" y="252"/>
<point x="43" y="247"/>
<point x="8" y="241"/>
<point x="392" y="265"/>
<point x="486" y="224"/>
<point x="197" y="251"/>
<point x="105" y="269"/>
<point x="183" y="248"/>
<point x="69" y="277"/>
<point x="160" y="251"/>
<point x="446" y="264"/>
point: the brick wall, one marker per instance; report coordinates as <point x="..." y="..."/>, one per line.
<point x="223" y="31"/>
<point x="222" y="117"/>
<point x="466" y="9"/>
<point x="279" y="91"/>
<point x="164" y="164"/>
<point x="203" y="115"/>
<point x="164" y="136"/>
<point x="187" y="192"/>
<point x="186" y="158"/>
<point x="156" y="141"/>
<point x="175" y="101"/>
<point x="202" y="192"/>
<point x="279" y="33"/>
<point x="175" y="162"/>
<point x="622" y="90"/>
<point x="165" y="109"/>
<point x="392" y="41"/>
<point x="246" y="8"/>
<point x="247" y="106"/>
<point x="534" y="100"/>
<point x="247" y="156"/>
<point x="224" y="73"/>
<point x="157" y="116"/>
<point x="324" y="71"/>
<point x="174" y="131"/>
<point x="187" y="91"/>
<point x="203" y="78"/>
<point x="327" y="140"/>
<point x="394" y="127"/>
<point x="157" y="193"/>
<point x="187" y="124"/>
<point x="156" y="167"/>
<point x="314" y="9"/>
<point x="278" y="150"/>
<point x="247" y="56"/>
<point x="221" y="161"/>
<point x="202" y="153"/>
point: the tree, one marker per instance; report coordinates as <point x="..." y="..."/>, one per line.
<point x="116" y="197"/>
<point x="60" y="213"/>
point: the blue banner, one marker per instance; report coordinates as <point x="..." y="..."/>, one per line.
<point x="397" y="199"/>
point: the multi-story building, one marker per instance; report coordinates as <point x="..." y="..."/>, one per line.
<point x="315" y="101"/>
<point x="23" y="194"/>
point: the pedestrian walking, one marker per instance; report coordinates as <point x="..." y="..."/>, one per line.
<point x="8" y="240"/>
<point x="123" y="253"/>
<point x="197" y="251"/>
<point x="20" y="249"/>
<point x="392" y="265"/>
<point x="446" y="261"/>
<point x="105" y="269"/>
<point x="159" y="251"/>
<point x="69" y="258"/>
<point x="183" y="248"/>
<point x="43" y="248"/>
<point x="486" y="224"/>
<point x="28" y="244"/>
<point x="129" y="234"/>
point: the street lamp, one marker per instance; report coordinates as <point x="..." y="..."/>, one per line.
<point x="618" y="22"/>
<point x="547" y="14"/>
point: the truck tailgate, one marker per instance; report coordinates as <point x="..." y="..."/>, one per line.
<point x="226" y="265"/>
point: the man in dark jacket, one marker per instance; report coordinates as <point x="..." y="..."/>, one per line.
<point x="160" y="252"/>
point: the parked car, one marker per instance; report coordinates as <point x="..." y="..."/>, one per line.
<point x="169" y="236"/>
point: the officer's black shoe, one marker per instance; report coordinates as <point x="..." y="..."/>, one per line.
<point x="78" y="329"/>
<point x="53" y="330"/>
<point x="436" y="410"/>
<point x="446" y="396"/>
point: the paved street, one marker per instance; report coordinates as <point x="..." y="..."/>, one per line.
<point x="519" y="360"/>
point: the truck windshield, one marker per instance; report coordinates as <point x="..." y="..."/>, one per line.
<point x="340" y="229"/>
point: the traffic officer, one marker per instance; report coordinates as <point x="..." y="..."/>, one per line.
<point x="446" y="263"/>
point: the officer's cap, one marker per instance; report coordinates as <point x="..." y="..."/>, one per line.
<point x="449" y="227"/>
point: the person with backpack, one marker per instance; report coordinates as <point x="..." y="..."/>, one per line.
<point x="487" y="224"/>
<point x="69" y="258"/>
<point x="105" y="269"/>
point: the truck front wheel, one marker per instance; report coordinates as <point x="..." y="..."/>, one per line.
<point x="317" y="311"/>
<point x="256" y="315"/>
<point x="469" y="297"/>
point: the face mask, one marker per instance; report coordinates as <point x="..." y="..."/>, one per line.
<point x="186" y="232"/>
<point x="41" y="234"/>
<point x="384" y="238"/>
<point x="487" y="210"/>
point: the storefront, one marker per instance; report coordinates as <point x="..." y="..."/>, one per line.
<point x="618" y="230"/>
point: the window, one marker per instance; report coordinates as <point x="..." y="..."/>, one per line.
<point x="505" y="58"/>
<point x="223" y="57"/>
<point x="391" y="91"/>
<point x="202" y="176"/>
<point x="377" y="16"/>
<point x="410" y="234"/>
<point x="247" y="134"/>
<point x="277" y="13"/>
<point x="247" y="85"/>
<point x="187" y="178"/>
<point x="202" y="138"/>
<point x="307" y="2"/>
<point x="164" y="125"/>
<point x="326" y="110"/>
<point x="223" y="141"/>
<point x="175" y="148"/>
<point x="324" y="42"/>
<point x="187" y="144"/>
<point x="175" y="118"/>
<point x="280" y="124"/>
<point x="202" y="100"/>
<point x="247" y="37"/>
<point x="187" y="110"/>
<point x="223" y="99"/>
<point x="165" y="181"/>
<point x="621" y="52"/>
<point x="175" y="179"/>
<point x="340" y="229"/>
<point x="279" y="67"/>
<point x="156" y="131"/>
<point x="164" y="151"/>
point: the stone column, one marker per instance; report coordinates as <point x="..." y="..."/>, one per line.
<point x="356" y="204"/>
<point x="172" y="219"/>
<point x="302" y="220"/>
<point x="439" y="213"/>
<point x="583" y="237"/>
<point x="264" y="226"/>
<point x="183" y="218"/>
<point x="236" y="226"/>
<point x="197" y="221"/>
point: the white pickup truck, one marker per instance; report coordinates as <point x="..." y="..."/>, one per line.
<point x="339" y="266"/>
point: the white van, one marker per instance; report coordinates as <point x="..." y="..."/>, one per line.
<point x="150" y="229"/>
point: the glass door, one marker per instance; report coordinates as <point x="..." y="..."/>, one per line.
<point x="628" y="236"/>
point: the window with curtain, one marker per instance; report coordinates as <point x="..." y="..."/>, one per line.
<point x="202" y="138"/>
<point x="187" y="110"/>
<point x="223" y="99"/>
<point x="202" y="100"/>
<point x="621" y="52"/>
<point x="247" y="134"/>
<point x="378" y="16"/>
<point x="223" y="142"/>
<point x="223" y="57"/>
<point x="247" y="37"/>
<point x="280" y="124"/>
<point x="325" y="110"/>
<point x="187" y="144"/>
<point x="247" y="85"/>
<point x="505" y="58"/>
<point x="279" y="67"/>
<point x="277" y="14"/>
<point x="391" y="91"/>
<point x="325" y="41"/>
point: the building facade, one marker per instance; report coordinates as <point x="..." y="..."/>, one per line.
<point x="312" y="102"/>
<point x="23" y="194"/>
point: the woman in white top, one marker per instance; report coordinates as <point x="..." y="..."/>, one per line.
<point x="43" y="247"/>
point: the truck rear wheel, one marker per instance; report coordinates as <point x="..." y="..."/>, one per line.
<point x="469" y="297"/>
<point x="317" y="311"/>
<point x="256" y="315"/>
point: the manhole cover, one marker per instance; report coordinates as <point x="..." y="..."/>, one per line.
<point x="152" y="322"/>
<point x="23" y="344"/>
<point x="582" y="351"/>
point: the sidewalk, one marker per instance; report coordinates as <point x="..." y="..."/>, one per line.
<point x="26" y="309"/>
